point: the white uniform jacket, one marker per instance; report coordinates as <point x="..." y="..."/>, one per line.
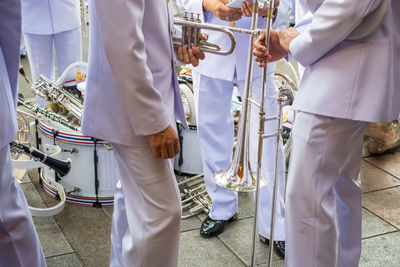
<point x="50" y="16"/>
<point x="10" y="25"/>
<point x="131" y="87"/>
<point x="223" y="67"/>
<point x="356" y="80"/>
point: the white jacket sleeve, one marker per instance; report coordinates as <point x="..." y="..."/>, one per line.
<point x="126" y="54"/>
<point x="332" y="22"/>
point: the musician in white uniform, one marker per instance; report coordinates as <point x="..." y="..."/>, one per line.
<point x="132" y="99"/>
<point x="300" y="10"/>
<point x="19" y="243"/>
<point x="352" y="78"/>
<point x="283" y="17"/>
<point x="213" y="86"/>
<point x="47" y="24"/>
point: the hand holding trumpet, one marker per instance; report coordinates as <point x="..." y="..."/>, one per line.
<point x="190" y="55"/>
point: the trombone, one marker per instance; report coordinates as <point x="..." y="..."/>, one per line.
<point x="239" y="176"/>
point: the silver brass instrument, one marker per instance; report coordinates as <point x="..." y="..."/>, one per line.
<point x="44" y="113"/>
<point x="239" y="176"/>
<point x="62" y="167"/>
<point x="194" y="197"/>
<point x="191" y="34"/>
<point x="51" y="91"/>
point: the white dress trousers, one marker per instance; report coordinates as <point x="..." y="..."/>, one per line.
<point x="19" y="242"/>
<point x="147" y="210"/>
<point x="215" y="132"/>
<point x="68" y="48"/>
<point x="326" y="188"/>
<point x="48" y="23"/>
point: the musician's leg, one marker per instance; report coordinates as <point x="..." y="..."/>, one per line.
<point x="19" y="243"/>
<point x="153" y="207"/>
<point x="348" y="205"/>
<point x="120" y="228"/>
<point x="68" y="47"/>
<point x="41" y="57"/>
<point x="215" y="131"/>
<point x="322" y="148"/>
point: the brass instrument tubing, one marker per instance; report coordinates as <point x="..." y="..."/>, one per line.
<point x="272" y="224"/>
<point x="260" y="144"/>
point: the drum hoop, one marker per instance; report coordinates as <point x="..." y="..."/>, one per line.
<point x="85" y="201"/>
<point x="68" y="138"/>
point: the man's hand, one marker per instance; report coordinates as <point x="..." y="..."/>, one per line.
<point x="219" y="9"/>
<point x="189" y="55"/>
<point x="164" y="144"/>
<point x="279" y="46"/>
<point x="247" y="8"/>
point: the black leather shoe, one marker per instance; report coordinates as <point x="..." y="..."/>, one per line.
<point x="212" y="228"/>
<point x="279" y="246"/>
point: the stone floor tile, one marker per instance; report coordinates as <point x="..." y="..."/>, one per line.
<point x="381" y="251"/>
<point x="190" y="224"/>
<point x="238" y="237"/>
<point x="32" y="196"/>
<point x="372" y="225"/>
<point x="68" y="260"/>
<point x="387" y="162"/>
<point x="385" y="204"/>
<point x="51" y="237"/>
<point x="108" y="211"/>
<point x="373" y="178"/>
<point x="246" y="205"/>
<point x="87" y="229"/>
<point x="195" y="251"/>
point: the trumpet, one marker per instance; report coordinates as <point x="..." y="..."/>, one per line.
<point x="191" y="34"/>
<point x="62" y="167"/>
<point x="51" y="91"/>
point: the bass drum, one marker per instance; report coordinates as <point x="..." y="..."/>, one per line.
<point x="89" y="159"/>
<point x="188" y="162"/>
<point x="287" y="82"/>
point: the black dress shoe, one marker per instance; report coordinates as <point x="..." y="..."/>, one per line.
<point x="279" y="246"/>
<point x="212" y="228"/>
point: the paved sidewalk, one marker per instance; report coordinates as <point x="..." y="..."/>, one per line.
<point x="79" y="236"/>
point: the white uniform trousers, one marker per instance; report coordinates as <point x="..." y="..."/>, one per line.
<point x="68" y="47"/>
<point x="19" y="242"/>
<point x="147" y="210"/>
<point x="323" y="198"/>
<point x="215" y="131"/>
